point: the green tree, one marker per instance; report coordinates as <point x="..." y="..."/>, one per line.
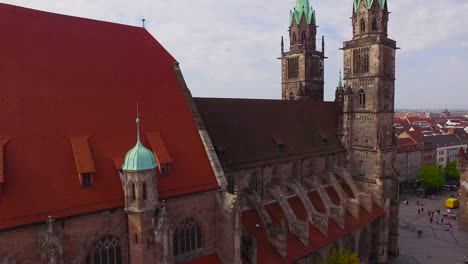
<point x="432" y="178"/>
<point x="342" y="256"/>
<point x="451" y="171"/>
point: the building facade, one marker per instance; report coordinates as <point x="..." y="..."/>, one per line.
<point x="208" y="180"/>
<point x="303" y="65"/>
<point x="409" y="159"/>
<point x="369" y="81"/>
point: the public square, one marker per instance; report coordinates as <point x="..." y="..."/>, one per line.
<point x="436" y="245"/>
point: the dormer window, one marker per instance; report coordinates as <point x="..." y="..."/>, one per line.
<point x="86" y="180"/>
<point x="164" y="169"/>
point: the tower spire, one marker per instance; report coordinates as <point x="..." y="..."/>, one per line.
<point x="340" y="82"/>
<point x="138" y="124"/>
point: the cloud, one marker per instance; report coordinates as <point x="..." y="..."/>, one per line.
<point x="230" y="48"/>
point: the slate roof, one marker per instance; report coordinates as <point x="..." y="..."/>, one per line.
<point x="441" y="141"/>
<point x="248" y="130"/>
<point x="63" y="76"/>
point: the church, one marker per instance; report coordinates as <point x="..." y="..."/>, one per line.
<point x="105" y="156"/>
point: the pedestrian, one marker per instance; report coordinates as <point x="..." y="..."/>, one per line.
<point x="419" y="233"/>
<point x="422" y="209"/>
<point x="438" y="212"/>
<point x="428" y="214"/>
<point x="442" y="220"/>
<point x="437" y="220"/>
<point x="430" y="220"/>
<point x="419" y="211"/>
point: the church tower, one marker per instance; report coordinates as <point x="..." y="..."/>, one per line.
<point x="141" y="200"/>
<point x="369" y="84"/>
<point x="302" y="66"/>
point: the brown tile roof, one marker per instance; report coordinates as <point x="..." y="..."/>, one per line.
<point x="250" y="130"/>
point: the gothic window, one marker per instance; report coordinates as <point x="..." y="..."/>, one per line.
<point x="106" y="250"/>
<point x="304" y="37"/>
<point x="362" y="98"/>
<point x="349" y="243"/>
<point x="187" y="238"/>
<point x="133" y="191"/>
<point x="144" y="191"/>
<point x="374" y="24"/>
<point x="231" y="184"/>
<point x="366" y="62"/>
<point x="274" y="176"/>
<point x="361" y="167"/>
<point x="293" y="68"/>
<point x="253" y="182"/>
<point x="363" y="25"/>
<point x="293" y="39"/>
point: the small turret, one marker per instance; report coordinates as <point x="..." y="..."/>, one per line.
<point x="339" y="93"/>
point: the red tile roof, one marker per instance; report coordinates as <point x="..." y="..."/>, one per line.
<point x="160" y="151"/>
<point x="208" y="259"/>
<point x="64" y="76"/>
<point x="3" y="142"/>
<point x="82" y="153"/>
<point x="407" y="145"/>
<point x="296" y="249"/>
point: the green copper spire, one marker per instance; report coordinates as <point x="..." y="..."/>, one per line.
<point x="139" y="158"/>
<point x="340" y="83"/>
<point x="368" y="4"/>
<point x="302" y="8"/>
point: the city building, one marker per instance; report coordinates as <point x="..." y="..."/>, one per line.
<point x="446" y="147"/>
<point x="408" y="161"/>
<point x="463" y="168"/>
<point x="195" y="180"/>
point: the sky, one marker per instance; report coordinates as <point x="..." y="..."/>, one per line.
<point x="229" y="48"/>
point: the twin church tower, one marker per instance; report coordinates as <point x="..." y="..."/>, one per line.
<point x="366" y="96"/>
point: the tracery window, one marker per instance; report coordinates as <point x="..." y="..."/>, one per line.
<point x="253" y="182"/>
<point x="187" y="238"/>
<point x="304" y="37"/>
<point x="293" y="39"/>
<point x="106" y="250"/>
<point x="374" y="24"/>
<point x="361" y="167"/>
<point x="363" y="26"/>
<point x="274" y="176"/>
<point x="362" y="98"/>
<point x="293" y="68"/>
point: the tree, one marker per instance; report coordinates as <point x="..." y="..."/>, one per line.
<point x="432" y="178"/>
<point x="451" y="171"/>
<point x="342" y="256"/>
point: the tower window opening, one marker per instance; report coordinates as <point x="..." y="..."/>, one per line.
<point x="293" y="68"/>
<point x="144" y="191"/>
<point x="293" y="39"/>
<point x="304" y="37"/>
<point x="363" y="25"/>
<point x="133" y="191"/>
<point x="374" y="25"/>
<point x="362" y="98"/>
<point x="253" y="182"/>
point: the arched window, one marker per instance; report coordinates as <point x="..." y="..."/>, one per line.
<point x="293" y="39"/>
<point x="361" y="167"/>
<point x="304" y="37"/>
<point x="187" y="238"/>
<point x="253" y="182"/>
<point x="374" y="24"/>
<point x="349" y="243"/>
<point x="363" y="25"/>
<point x="366" y="62"/>
<point x="274" y="176"/>
<point x="133" y="191"/>
<point x="362" y="97"/>
<point x="106" y="250"/>
<point x="144" y="191"/>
